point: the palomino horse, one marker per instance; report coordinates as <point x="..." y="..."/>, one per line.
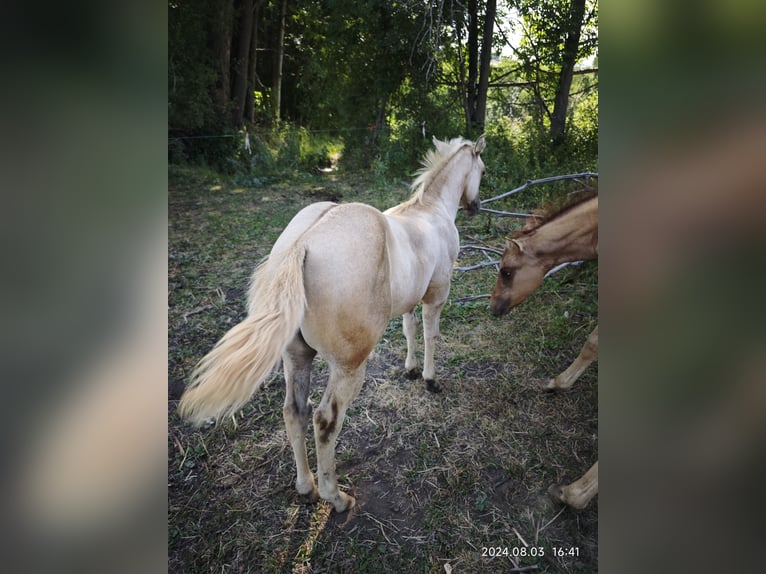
<point x="569" y="235"/>
<point x="334" y="279"/>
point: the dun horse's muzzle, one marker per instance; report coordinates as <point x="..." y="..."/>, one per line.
<point x="499" y="307"/>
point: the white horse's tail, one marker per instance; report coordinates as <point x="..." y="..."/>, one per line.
<point x="225" y="379"/>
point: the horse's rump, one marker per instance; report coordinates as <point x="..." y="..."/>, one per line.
<point x="347" y="282"/>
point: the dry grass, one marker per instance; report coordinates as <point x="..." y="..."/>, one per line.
<point x="437" y="477"/>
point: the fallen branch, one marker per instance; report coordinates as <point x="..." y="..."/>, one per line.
<point x="534" y="182"/>
<point x="482" y="248"/>
<point x="551" y="521"/>
<point x="472" y="298"/>
<point x="195" y="311"/>
<point x="504" y="213"/>
<point x="478" y="266"/>
<point x="561" y="266"/>
<point x="488" y="263"/>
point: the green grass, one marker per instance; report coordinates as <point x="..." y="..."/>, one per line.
<point x="437" y="478"/>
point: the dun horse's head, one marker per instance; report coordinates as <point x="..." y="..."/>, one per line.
<point x="521" y="272"/>
<point x="470" y="198"/>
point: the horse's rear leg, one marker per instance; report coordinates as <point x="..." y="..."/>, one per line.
<point x="342" y="388"/>
<point x="433" y="303"/>
<point x="297" y="360"/>
<point x="410" y="328"/>
<point x="582" y="362"/>
<point x="579" y="493"/>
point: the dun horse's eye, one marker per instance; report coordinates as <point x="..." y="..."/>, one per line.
<point x="506" y="273"/>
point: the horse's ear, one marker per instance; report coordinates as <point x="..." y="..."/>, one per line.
<point x="478" y="147"/>
<point x="513" y="245"/>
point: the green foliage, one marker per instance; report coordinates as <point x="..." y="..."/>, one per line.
<point x="191" y="73"/>
<point x="360" y="80"/>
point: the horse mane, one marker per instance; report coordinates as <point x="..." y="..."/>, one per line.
<point x="434" y="160"/>
<point x="550" y="211"/>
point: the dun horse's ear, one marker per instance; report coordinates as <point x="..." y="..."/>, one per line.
<point x="478" y="147"/>
<point x="513" y="245"/>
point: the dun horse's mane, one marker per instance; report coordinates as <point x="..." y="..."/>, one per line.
<point x="434" y="160"/>
<point x="551" y="211"/>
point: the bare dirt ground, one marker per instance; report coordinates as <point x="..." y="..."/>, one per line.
<point x="451" y="482"/>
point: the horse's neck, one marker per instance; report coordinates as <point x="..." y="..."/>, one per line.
<point x="446" y="188"/>
<point x="441" y="197"/>
<point x="569" y="238"/>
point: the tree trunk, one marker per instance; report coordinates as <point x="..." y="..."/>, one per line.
<point x="473" y="63"/>
<point x="241" y="65"/>
<point x="486" y="61"/>
<point x="380" y="120"/>
<point x="278" y="63"/>
<point x="461" y="82"/>
<point x="220" y="39"/>
<point x="568" y="61"/>
<point x="251" y="72"/>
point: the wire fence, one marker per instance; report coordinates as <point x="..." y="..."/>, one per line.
<point x="242" y="134"/>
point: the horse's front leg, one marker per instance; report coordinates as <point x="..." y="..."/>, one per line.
<point x="410" y="328"/>
<point x="579" y="493"/>
<point x="588" y="354"/>
<point x="433" y="303"/>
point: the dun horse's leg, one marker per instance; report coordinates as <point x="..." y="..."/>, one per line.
<point x="297" y="410"/>
<point x="573" y="372"/>
<point x="433" y="303"/>
<point x="579" y="493"/>
<point x="344" y="385"/>
<point x="410" y="327"/>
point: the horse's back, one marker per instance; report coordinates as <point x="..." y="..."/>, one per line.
<point x="346" y="252"/>
<point x="302" y="222"/>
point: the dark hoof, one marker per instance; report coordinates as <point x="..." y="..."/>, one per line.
<point x="413" y="374"/>
<point x="310" y="498"/>
<point x="556" y="492"/>
<point x="545" y="387"/>
<point x="433" y="386"/>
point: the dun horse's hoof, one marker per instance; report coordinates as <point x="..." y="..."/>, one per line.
<point x="413" y="374"/>
<point x="556" y="492"/>
<point x="434" y="386"/>
<point x="344" y="502"/>
<point x="548" y="386"/>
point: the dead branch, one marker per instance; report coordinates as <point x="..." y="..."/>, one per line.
<point x="504" y="213"/>
<point x="462" y="300"/>
<point x="533" y="182"/>
<point x="561" y="266"/>
<point x="478" y="266"/>
<point x="482" y="248"/>
<point x="472" y="298"/>
<point x="194" y="312"/>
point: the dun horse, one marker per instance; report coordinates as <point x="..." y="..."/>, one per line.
<point x="333" y="280"/>
<point x="569" y="235"/>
